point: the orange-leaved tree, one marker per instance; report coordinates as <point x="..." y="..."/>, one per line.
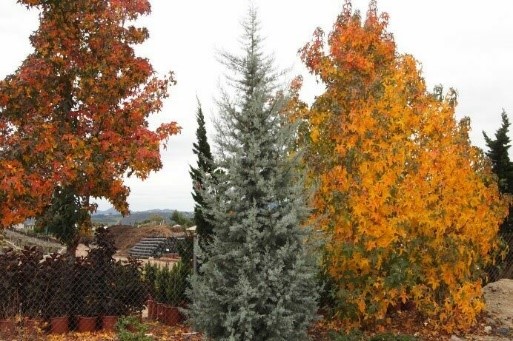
<point x="74" y="115"/>
<point x="409" y="208"/>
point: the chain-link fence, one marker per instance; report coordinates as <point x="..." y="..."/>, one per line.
<point x="503" y="267"/>
<point x="118" y="271"/>
<point x="47" y="287"/>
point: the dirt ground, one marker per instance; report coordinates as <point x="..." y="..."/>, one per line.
<point x="126" y="236"/>
<point x="499" y="308"/>
<point x="499" y="299"/>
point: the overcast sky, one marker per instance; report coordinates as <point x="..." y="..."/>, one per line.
<point x="464" y="44"/>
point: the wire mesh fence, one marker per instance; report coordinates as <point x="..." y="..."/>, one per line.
<point x="503" y="267"/>
<point x="47" y="287"/>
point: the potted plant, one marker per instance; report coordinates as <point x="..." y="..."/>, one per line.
<point x="85" y="294"/>
<point x="99" y="281"/>
<point x="112" y="308"/>
<point x="175" y="292"/>
<point x="112" y="304"/>
<point x="131" y="288"/>
<point x="86" y="322"/>
<point x="8" y="291"/>
<point x="8" y="310"/>
<point x="58" y="276"/>
<point x="150" y="275"/>
<point x="161" y="281"/>
<point x="31" y="288"/>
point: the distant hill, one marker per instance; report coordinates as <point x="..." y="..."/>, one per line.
<point x="113" y="217"/>
<point x="111" y="210"/>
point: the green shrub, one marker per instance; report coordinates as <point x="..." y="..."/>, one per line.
<point x="130" y="328"/>
<point x="161" y="282"/>
<point x="150" y="276"/>
<point x="177" y="284"/>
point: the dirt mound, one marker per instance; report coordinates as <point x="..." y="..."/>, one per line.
<point x="498" y="302"/>
<point x="126" y="236"/>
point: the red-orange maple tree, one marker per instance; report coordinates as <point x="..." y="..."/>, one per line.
<point x="75" y="113"/>
<point x="409" y="208"/>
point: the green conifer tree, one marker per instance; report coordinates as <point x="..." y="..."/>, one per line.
<point x="64" y="216"/>
<point x="258" y="282"/>
<point x="204" y="167"/>
<point x="499" y="155"/>
<point x="498" y="152"/>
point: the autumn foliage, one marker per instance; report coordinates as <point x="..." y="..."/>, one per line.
<point x="409" y="208"/>
<point x="75" y="113"/>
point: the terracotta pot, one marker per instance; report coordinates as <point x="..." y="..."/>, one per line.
<point x="59" y="325"/>
<point x="109" y="323"/>
<point x="160" y="312"/>
<point x="7" y="328"/>
<point x="172" y="315"/>
<point x="32" y="326"/>
<point x="86" y="324"/>
<point x="152" y="309"/>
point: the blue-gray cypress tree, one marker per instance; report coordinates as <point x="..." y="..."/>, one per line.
<point x="258" y="281"/>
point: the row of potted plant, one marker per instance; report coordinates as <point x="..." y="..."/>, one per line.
<point x="167" y="289"/>
<point x="104" y="288"/>
<point x="64" y="290"/>
<point x="21" y="274"/>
